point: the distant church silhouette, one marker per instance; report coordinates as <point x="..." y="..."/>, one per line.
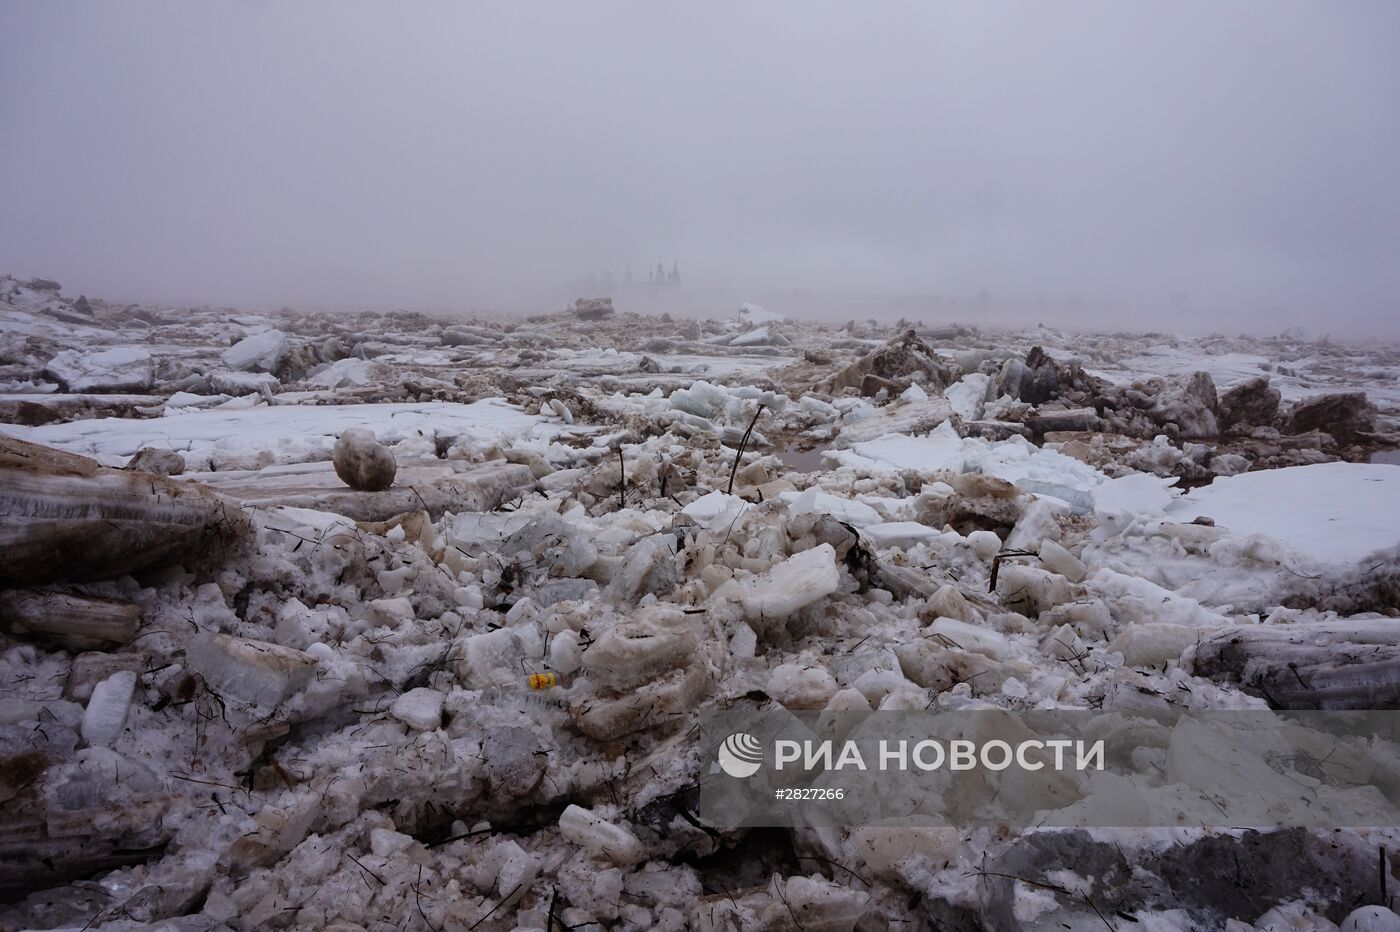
<point x="659" y="275"/>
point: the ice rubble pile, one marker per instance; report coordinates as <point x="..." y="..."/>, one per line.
<point x="250" y="696"/>
<point x="361" y="687"/>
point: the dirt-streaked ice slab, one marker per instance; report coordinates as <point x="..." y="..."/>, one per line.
<point x="432" y="486"/>
<point x="1336" y="512"/>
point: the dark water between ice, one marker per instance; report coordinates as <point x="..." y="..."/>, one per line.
<point x="802" y="460"/>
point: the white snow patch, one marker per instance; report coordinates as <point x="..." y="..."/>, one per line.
<point x="1140" y="495"/>
<point x="1336" y="512"/>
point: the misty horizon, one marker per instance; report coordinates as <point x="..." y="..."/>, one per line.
<point x="1195" y="167"/>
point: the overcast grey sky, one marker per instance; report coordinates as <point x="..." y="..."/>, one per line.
<point x="470" y="154"/>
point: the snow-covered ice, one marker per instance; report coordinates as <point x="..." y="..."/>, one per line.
<point x="120" y="369"/>
<point x="1338" y="512"/>
<point x="292" y="433"/>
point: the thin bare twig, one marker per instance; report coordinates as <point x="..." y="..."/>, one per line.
<point x="743" y="442"/>
<point x="621" y="479"/>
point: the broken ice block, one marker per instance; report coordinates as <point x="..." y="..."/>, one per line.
<point x="92" y="667"/>
<point x="419" y="708"/>
<point x="431" y="486"/>
<point x="348" y="372"/>
<point x="801" y="686"/>
<point x="660" y="702"/>
<point x="1031" y="590"/>
<point x="469" y="597"/>
<point x="119" y="369"/>
<point x="1353" y="663"/>
<point x="243" y="383"/>
<point x="1059" y="560"/>
<point x="157" y="462"/>
<point x="1144" y="601"/>
<point x="949" y="602"/>
<point x="716" y="510"/>
<point x="649" y="568"/>
<point x="969" y="395"/>
<point x="261" y="351"/>
<point x="1089" y="618"/>
<point x="903" y="534"/>
<point x="556" y="546"/>
<point x="66" y="517"/>
<point x="1219" y="759"/>
<point x="984" y="543"/>
<point x="815" y="501"/>
<point x="600" y="837"/>
<point x="1037" y="523"/>
<point x="701" y="399"/>
<point x="1069" y="419"/>
<point x="255" y="672"/>
<point x="494" y="658"/>
<point x="564" y="653"/>
<point x="362" y="462"/>
<point x="106" y="710"/>
<point x="390" y="611"/>
<point x="815" y="904"/>
<point x="1148" y="645"/>
<point x="792" y="585"/>
<point x="977" y="638"/>
<point x="743" y="643"/>
<point x="640" y="648"/>
<point x="75" y="620"/>
<point x="562" y="410"/>
<point x="385" y="842"/>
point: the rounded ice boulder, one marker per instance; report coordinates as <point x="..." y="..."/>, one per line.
<point x="157" y="461"/>
<point x="1371" y="919"/>
<point x="362" y="462"/>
